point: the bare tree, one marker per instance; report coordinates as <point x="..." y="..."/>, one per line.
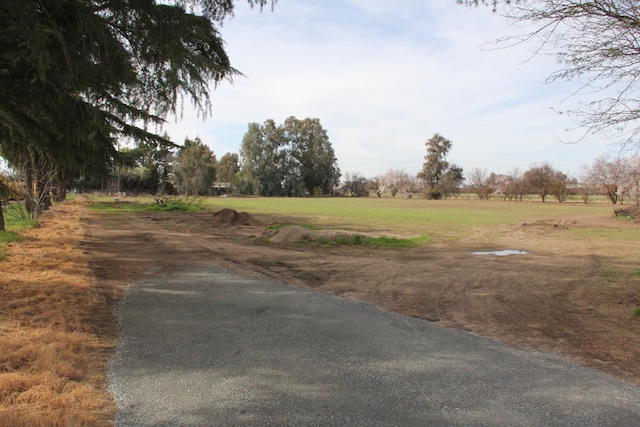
<point x="511" y="186"/>
<point x="630" y="186"/>
<point x="597" y="43"/>
<point x="377" y="186"/>
<point x="36" y="179"/>
<point x="479" y="182"/>
<point x="559" y="186"/>
<point x="390" y="182"/>
<point x="587" y="186"/>
<point x="396" y="182"/>
<point x="407" y="184"/>
<point x="544" y="180"/>
<point x="607" y="174"/>
<point x="355" y="185"/>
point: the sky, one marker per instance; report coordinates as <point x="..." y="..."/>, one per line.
<point x="383" y="77"/>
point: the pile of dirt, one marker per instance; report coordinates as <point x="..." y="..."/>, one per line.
<point x="298" y="234"/>
<point x="232" y="218"/>
<point x="292" y="234"/>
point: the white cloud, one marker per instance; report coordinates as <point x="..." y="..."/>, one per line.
<point x="383" y="77"/>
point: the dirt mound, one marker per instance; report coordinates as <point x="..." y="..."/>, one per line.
<point x="292" y="234"/>
<point x="232" y="218"/>
<point x="298" y="234"/>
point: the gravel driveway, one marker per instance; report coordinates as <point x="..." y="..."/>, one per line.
<point x="211" y="348"/>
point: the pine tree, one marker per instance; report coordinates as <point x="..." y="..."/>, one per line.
<point x="75" y="75"/>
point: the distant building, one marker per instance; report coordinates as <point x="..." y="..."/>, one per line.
<point x="220" y="188"/>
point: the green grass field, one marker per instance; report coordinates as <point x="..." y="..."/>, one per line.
<point x="410" y="216"/>
<point x="439" y="219"/>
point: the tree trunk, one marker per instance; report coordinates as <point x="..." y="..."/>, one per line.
<point x="1" y="217"/>
<point x="29" y="196"/>
<point x="59" y="190"/>
<point x="43" y="186"/>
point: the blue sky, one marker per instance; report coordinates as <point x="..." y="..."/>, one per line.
<point x="383" y="77"/>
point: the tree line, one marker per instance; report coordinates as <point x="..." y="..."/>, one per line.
<point x="293" y="159"/>
<point x="296" y="159"/>
<point x="617" y="178"/>
<point x="77" y="76"/>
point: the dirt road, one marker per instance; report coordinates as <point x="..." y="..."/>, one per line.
<point x="551" y="299"/>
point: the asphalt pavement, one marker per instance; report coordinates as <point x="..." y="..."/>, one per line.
<point x="205" y="347"/>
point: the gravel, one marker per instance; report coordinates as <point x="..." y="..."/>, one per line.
<point x="211" y="348"/>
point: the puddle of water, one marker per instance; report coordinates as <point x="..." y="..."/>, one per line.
<point x="502" y="253"/>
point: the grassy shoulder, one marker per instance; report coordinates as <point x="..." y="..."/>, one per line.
<point x="15" y="223"/>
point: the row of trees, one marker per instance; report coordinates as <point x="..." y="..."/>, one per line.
<point x="292" y="159"/>
<point x="542" y="180"/>
<point x="616" y="177"/>
<point x="297" y="159"/>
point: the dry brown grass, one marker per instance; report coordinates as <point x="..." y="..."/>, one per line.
<point x="56" y="329"/>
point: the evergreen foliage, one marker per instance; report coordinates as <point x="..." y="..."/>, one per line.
<point x="75" y="75"/>
<point x="441" y="178"/>
<point x="196" y="169"/>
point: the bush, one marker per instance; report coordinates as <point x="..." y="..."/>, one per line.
<point x="433" y="195"/>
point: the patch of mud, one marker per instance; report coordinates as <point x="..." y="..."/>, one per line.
<point x="232" y="218"/>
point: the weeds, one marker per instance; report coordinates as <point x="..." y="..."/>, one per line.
<point x="374" y="242"/>
<point x="160" y="205"/>
<point x="7" y="237"/>
<point x="174" y="205"/>
<point x="613" y="275"/>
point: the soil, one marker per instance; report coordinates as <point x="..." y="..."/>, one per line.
<point x="573" y="298"/>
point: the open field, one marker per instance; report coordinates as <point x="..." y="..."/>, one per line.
<point x="576" y="292"/>
<point x="441" y="218"/>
